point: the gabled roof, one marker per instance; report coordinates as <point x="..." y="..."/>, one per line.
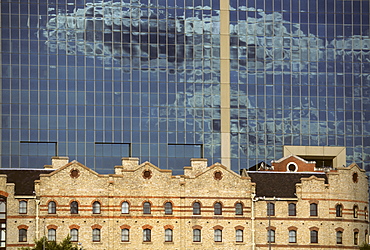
<point x="24" y="179"/>
<point x="295" y="156"/>
<point x="279" y="184"/>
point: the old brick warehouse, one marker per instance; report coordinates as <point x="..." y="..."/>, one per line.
<point x="291" y="204"/>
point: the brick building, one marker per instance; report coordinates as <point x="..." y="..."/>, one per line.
<point x="291" y="204"/>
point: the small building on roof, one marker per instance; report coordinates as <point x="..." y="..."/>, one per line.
<point x="290" y="204"/>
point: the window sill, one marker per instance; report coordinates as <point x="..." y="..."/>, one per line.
<point x="125" y="242"/>
<point x="169" y="243"/>
<point x="219" y="243"/>
<point x="147" y="242"/>
<point x="197" y="243"/>
<point x="239" y="243"/>
<point x="97" y="242"/>
<point x="125" y="214"/>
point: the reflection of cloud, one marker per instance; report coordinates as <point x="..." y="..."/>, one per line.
<point x="121" y="31"/>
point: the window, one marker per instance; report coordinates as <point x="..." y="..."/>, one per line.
<point x="22" y="235"/>
<point x="271" y="236"/>
<point x="146" y="208"/>
<point x="217" y="208"/>
<point x="96" y="235"/>
<point x="292" y="236"/>
<point x="313" y="209"/>
<point x="196" y="235"/>
<point x="292" y="209"/>
<point x="355" y="211"/>
<point x="196" y="208"/>
<point x="339" y="237"/>
<point x="355" y="238"/>
<point x="338" y="210"/>
<point x="22" y="207"/>
<point x="96" y="207"/>
<point x="125" y="235"/>
<point x="52" y="233"/>
<point x="168" y="235"/>
<point x="239" y="209"/>
<point x="218" y="235"/>
<point x="125" y="207"/>
<point x="239" y="235"/>
<point x="270" y="209"/>
<point x="52" y="207"/>
<point x="147" y="235"/>
<point x="74" y="235"/>
<point x="168" y="208"/>
<point x="74" y="207"/>
<point x="314" y="236"/>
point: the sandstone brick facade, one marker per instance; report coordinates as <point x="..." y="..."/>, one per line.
<point x="111" y="226"/>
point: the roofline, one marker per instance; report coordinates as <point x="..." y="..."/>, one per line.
<point x="38" y="169"/>
<point x="278" y="172"/>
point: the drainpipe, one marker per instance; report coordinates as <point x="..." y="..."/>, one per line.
<point x="37" y="201"/>
<point x="253" y="221"/>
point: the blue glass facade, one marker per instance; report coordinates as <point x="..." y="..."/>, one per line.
<point x="101" y="80"/>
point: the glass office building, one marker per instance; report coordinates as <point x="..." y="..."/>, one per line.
<point x="233" y="81"/>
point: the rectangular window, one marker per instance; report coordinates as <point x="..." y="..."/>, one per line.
<point x="125" y="235"/>
<point x="314" y="236"/>
<point x="313" y="209"/>
<point x="74" y="235"/>
<point x="196" y="235"/>
<point x="22" y="207"/>
<point x="147" y="235"/>
<point x="292" y="236"/>
<point x="96" y="235"/>
<point x="239" y="235"/>
<point x="270" y="209"/>
<point x="292" y="209"/>
<point x="22" y="235"/>
<point x="218" y="235"/>
<point x="355" y="238"/>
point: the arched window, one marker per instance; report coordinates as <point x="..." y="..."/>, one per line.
<point x="96" y="207"/>
<point x="217" y="208"/>
<point x="339" y="237"/>
<point x="196" y="208"/>
<point x="270" y="209"/>
<point x="338" y="210"/>
<point x="355" y="238"/>
<point x="22" y="235"/>
<point x="74" y="235"/>
<point x="271" y="236"/>
<point x="197" y="235"/>
<point x="238" y="209"/>
<point x="96" y="235"/>
<point x="239" y="235"/>
<point x="125" y="207"/>
<point x="313" y="209"/>
<point x="52" y="234"/>
<point x="168" y="235"/>
<point x="314" y="235"/>
<point x="52" y="207"/>
<point x="292" y="209"/>
<point x="218" y="235"/>
<point x="168" y="208"/>
<point x="22" y="207"/>
<point x="74" y="207"/>
<point x="147" y="235"/>
<point x="366" y="213"/>
<point x="292" y="236"/>
<point x="125" y="235"/>
<point x="2" y="225"/>
<point x="355" y="211"/>
<point x="146" y="208"/>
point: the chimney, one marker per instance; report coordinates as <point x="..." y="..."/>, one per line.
<point x="130" y="163"/>
<point x="198" y="165"/>
<point x="57" y="162"/>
